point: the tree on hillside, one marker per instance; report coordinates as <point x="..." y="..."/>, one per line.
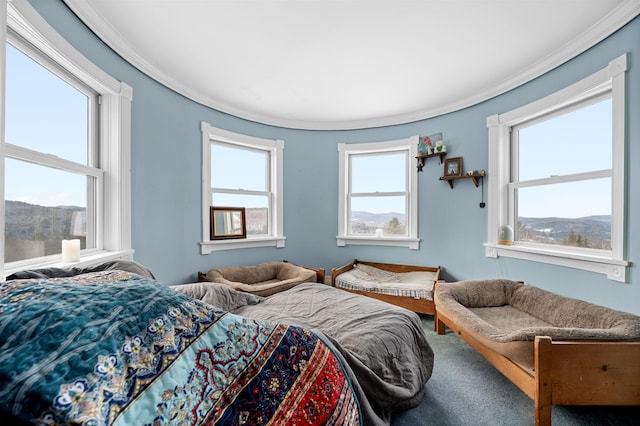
<point x="394" y="227"/>
<point x="576" y="240"/>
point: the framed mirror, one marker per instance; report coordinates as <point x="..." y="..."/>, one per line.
<point x="228" y="222"/>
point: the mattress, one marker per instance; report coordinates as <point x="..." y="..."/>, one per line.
<point x="417" y="284"/>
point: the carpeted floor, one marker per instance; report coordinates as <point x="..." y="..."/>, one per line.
<point x="466" y="390"/>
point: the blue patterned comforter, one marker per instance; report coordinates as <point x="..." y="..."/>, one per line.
<point x="115" y="348"/>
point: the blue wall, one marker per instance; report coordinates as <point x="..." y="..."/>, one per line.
<point x="166" y="193"/>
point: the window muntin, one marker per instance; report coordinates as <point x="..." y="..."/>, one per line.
<point x="378" y="194"/>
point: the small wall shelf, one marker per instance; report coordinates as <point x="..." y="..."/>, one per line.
<point x="423" y="158"/>
<point x="475" y="177"/>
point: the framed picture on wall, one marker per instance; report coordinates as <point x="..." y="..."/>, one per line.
<point x="453" y="166"/>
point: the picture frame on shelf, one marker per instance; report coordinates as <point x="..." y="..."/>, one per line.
<point x="453" y="167"/>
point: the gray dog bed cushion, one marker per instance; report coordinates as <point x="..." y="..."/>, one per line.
<point x="507" y="315"/>
<point x="263" y="279"/>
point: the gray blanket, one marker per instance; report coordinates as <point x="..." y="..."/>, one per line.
<point x="383" y="347"/>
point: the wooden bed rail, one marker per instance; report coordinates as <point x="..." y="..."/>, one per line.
<point x="567" y="373"/>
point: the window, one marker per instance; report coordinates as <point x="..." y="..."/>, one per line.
<point x="51" y="204"/>
<point x="564" y="198"/>
<point x="242" y="171"/>
<point x="378" y="194"/>
<point x="65" y="173"/>
<point x="558" y="176"/>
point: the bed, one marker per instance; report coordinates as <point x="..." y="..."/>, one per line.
<point x="383" y="347"/>
<point x="557" y="350"/>
<point x="105" y="345"/>
<point x="407" y="286"/>
<point x="114" y="347"/>
<point x="263" y="279"/>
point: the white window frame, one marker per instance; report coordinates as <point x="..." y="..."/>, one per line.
<point x="275" y="148"/>
<point x="410" y="145"/>
<point x="113" y="215"/>
<point x="500" y="207"/>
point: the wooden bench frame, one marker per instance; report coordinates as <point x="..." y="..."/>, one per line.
<point x="567" y="372"/>
<point x="422" y="306"/>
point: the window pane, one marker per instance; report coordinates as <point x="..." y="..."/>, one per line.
<point x="43" y="112"/>
<point x="379" y="172"/>
<point x="571" y="214"/>
<point x="239" y="168"/>
<point x="578" y="141"/>
<point x="368" y="214"/>
<point x="42" y="210"/>
<point x="257" y="210"/>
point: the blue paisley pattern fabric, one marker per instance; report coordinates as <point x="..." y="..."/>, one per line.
<point x="114" y="348"/>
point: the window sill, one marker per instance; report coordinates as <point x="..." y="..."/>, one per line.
<point x="614" y="269"/>
<point x="208" y="247"/>
<point x="412" y="243"/>
<point x="86" y="259"/>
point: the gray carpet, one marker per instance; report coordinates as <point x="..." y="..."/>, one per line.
<point x="466" y="390"/>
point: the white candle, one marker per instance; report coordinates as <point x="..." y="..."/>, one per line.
<point x="70" y="251"/>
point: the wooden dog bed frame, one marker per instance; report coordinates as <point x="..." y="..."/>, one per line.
<point x="567" y="372"/>
<point x="422" y="306"/>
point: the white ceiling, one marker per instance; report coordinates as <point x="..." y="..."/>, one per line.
<point x="343" y="64"/>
